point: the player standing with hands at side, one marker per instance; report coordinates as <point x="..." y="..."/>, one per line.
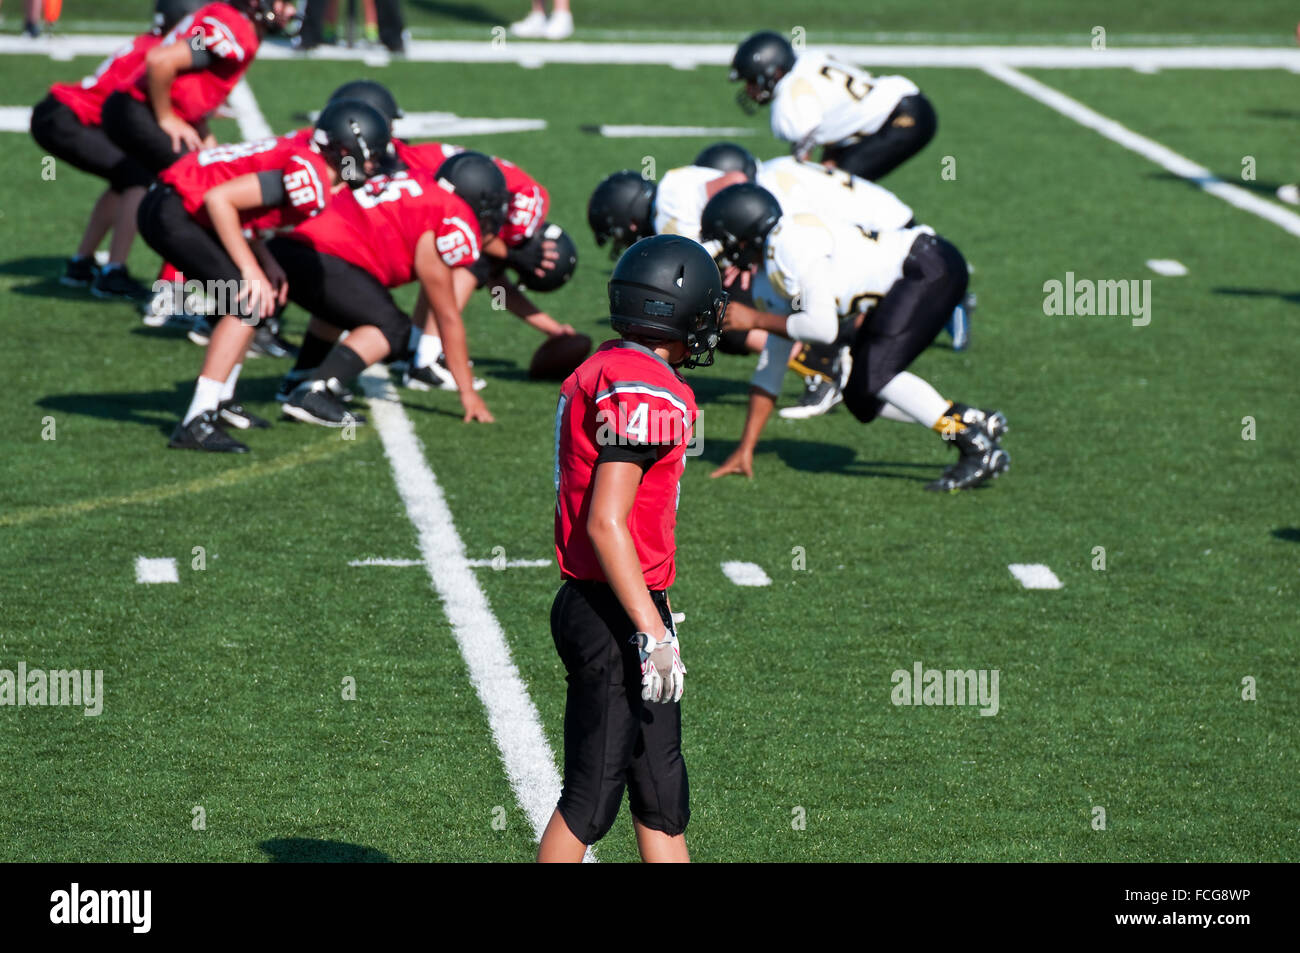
<point x="621" y="428"/>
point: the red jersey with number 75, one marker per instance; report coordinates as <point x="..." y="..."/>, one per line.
<point x="623" y="396"/>
<point x="231" y="42"/>
<point x="377" y="226"/>
<point x="304" y="175"/>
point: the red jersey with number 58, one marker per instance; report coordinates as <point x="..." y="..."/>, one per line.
<point x="528" y="198"/>
<point x="304" y="174"/>
<point x="377" y="226"/>
<point x="231" y="41"/>
<point x="119" y="71"/>
<point x="623" y="396"/>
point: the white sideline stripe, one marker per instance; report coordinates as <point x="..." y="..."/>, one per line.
<point x="686" y="55"/>
<point x="151" y="571"/>
<point x="516" y="726"/>
<point x="475" y="563"/>
<point x="1179" y="165"/>
<point x="674" y="132"/>
<point x="252" y="124"/>
<point x="15" y="118"/>
<point x="1169" y="267"/>
<point x="1035" y="576"/>
<point x="746" y="574"/>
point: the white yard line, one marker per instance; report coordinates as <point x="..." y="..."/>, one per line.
<point x="1149" y="149"/>
<point x="686" y="55"/>
<point x="473" y="563"/>
<point x="516" y="726"/>
<point x="1035" y="576"/>
<point x="150" y="571"/>
<point x="668" y="132"/>
<point x="1169" y="267"/>
<point x="746" y="574"/>
<point x="252" y="124"/>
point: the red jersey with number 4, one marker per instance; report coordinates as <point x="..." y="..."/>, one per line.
<point x="231" y="41"/>
<point x="118" y="72"/>
<point x="378" y="226"/>
<point x="305" y="176"/>
<point x="528" y="199"/>
<point x="625" y="395"/>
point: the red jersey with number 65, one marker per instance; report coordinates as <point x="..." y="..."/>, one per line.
<point x="528" y="198"/>
<point x="118" y="72"/>
<point x="626" y="402"/>
<point x="304" y="178"/>
<point x="231" y="42"/>
<point x="377" y="226"/>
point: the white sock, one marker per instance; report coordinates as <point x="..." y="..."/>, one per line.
<point x="890" y="412"/>
<point x="228" y="388"/>
<point x="914" y="397"/>
<point x="207" y="395"/>
<point x="427" y="350"/>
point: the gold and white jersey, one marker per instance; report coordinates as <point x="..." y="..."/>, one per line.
<point x="680" y="200"/>
<point x="822" y="101"/>
<point x="832" y="194"/>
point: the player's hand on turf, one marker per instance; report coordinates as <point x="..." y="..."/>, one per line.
<point x="663" y="676"/>
<point x="475" y="409"/>
<point x="734" y="274"/>
<point x="740" y="462"/>
<point x="184" y="136"/>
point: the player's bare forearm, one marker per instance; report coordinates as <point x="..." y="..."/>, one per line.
<point x="164" y="64"/>
<point x="761" y="405"/>
<point x="612" y="496"/>
<point x="742" y="317"/>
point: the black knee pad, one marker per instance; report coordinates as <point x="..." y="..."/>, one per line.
<point x="733" y="342"/>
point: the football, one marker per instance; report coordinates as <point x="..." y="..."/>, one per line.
<point x="558" y="356"/>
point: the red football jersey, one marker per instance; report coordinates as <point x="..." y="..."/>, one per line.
<point x="528" y="199"/>
<point x="623" y="394"/>
<point x="231" y="40"/>
<point x="304" y="172"/>
<point x="377" y="226"/>
<point x="119" y="71"/>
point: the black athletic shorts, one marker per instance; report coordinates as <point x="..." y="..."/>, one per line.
<point x="906" y="321"/>
<point x="336" y="291"/>
<point x="195" y="251"/>
<point x="612" y="739"/>
<point x="132" y="126"/>
<point x="58" y="131"/>
<point x="906" y="132"/>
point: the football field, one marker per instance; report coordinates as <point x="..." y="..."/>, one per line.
<point x="353" y="660"/>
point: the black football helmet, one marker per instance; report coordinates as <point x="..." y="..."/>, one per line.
<point x="168" y="13"/>
<point x="728" y="157"/>
<point x="350" y="134"/>
<point x="476" y="178"/>
<point x="621" y="209"/>
<point x="264" y="15"/>
<point x="527" y="257"/>
<point x="371" y="93"/>
<point x="666" y="287"/>
<point x="761" y="59"/>
<point x="740" y="218"/>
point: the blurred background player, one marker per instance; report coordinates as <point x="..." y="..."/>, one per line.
<point x="197" y="215"/>
<point x="68" y="125"/>
<point x="537" y="26"/>
<point x="621" y="428"/>
<point x="865" y="124"/>
<point x="32" y="18"/>
<point x="812" y="274"/>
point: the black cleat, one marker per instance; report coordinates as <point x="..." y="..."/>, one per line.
<point x="289" y="383"/>
<point x="981" y="460"/>
<point x="992" y="422"/>
<point x="233" y="413"/>
<point x="320" y="402"/>
<point x="266" y="341"/>
<point x="434" y="376"/>
<point x="116" y="283"/>
<point x="204" y="432"/>
<point x="79" y="273"/>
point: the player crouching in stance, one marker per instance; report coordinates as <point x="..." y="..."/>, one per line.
<point x="621" y="429"/>
<point x="197" y="215"/>
<point x="819" y="271"/>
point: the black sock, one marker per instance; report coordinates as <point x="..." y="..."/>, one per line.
<point x="342" y="363"/>
<point x="311" y="352"/>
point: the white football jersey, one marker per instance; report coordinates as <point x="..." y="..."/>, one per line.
<point x="832" y="193"/>
<point x="822" y="101"/>
<point x="819" y="270"/>
<point x="680" y="200"/>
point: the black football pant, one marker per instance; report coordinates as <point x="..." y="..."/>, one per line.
<point x="195" y="251"/>
<point x="132" y="127"/>
<point x="58" y="131"/>
<point x="906" y="321"/>
<point x="906" y="132"/>
<point x="614" y="741"/>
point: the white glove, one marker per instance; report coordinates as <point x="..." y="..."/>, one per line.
<point x="663" y="676"/>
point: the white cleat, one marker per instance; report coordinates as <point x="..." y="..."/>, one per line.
<point x="559" y="26"/>
<point x="531" y="27"/>
<point x="1290" y="194"/>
